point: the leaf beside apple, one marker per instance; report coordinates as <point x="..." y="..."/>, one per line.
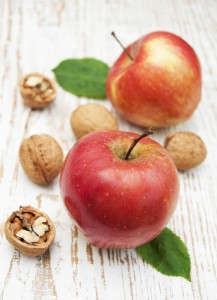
<point x="83" y="77"/>
<point x="168" y="254"/>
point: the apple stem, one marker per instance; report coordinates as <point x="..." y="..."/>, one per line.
<point x="135" y="142"/>
<point x="122" y="46"/>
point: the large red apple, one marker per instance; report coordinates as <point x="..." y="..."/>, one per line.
<point x="161" y="86"/>
<point x="119" y="203"/>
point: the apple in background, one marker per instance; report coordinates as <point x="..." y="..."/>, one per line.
<point x="119" y="203"/>
<point x="160" y="85"/>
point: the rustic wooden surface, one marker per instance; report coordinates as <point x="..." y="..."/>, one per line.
<point x="35" y="35"/>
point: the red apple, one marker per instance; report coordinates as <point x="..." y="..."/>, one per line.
<point x="119" y="203"/>
<point x="161" y="86"/>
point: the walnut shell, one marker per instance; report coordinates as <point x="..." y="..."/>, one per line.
<point x="186" y="149"/>
<point x="91" y="117"/>
<point x="15" y="223"/>
<point x="37" y="90"/>
<point x="41" y="158"/>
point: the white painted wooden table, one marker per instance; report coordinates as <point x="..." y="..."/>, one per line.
<point x="35" y="35"/>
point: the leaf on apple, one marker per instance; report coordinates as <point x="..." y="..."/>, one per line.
<point x="168" y="254"/>
<point x="83" y="77"/>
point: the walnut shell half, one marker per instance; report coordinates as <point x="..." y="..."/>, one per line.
<point x="41" y="158"/>
<point x="37" y="90"/>
<point x="30" y="231"/>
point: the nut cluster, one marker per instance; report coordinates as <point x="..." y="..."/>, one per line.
<point x="30" y="231"/>
<point x="186" y="149"/>
<point x="91" y="117"/>
<point x="41" y="158"/>
<point x="37" y="90"/>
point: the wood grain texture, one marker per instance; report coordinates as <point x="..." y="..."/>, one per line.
<point x="36" y="36"/>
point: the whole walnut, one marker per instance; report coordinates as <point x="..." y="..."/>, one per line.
<point x="91" y="117"/>
<point x="186" y="149"/>
<point x="41" y="158"/>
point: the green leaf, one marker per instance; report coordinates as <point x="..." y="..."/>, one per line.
<point x="83" y="77"/>
<point x="168" y="254"/>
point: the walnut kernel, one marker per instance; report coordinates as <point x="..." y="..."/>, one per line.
<point x="186" y="149"/>
<point x="91" y="117"/>
<point x="30" y="231"/>
<point x="41" y="158"/>
<point x="37" y="90"/>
